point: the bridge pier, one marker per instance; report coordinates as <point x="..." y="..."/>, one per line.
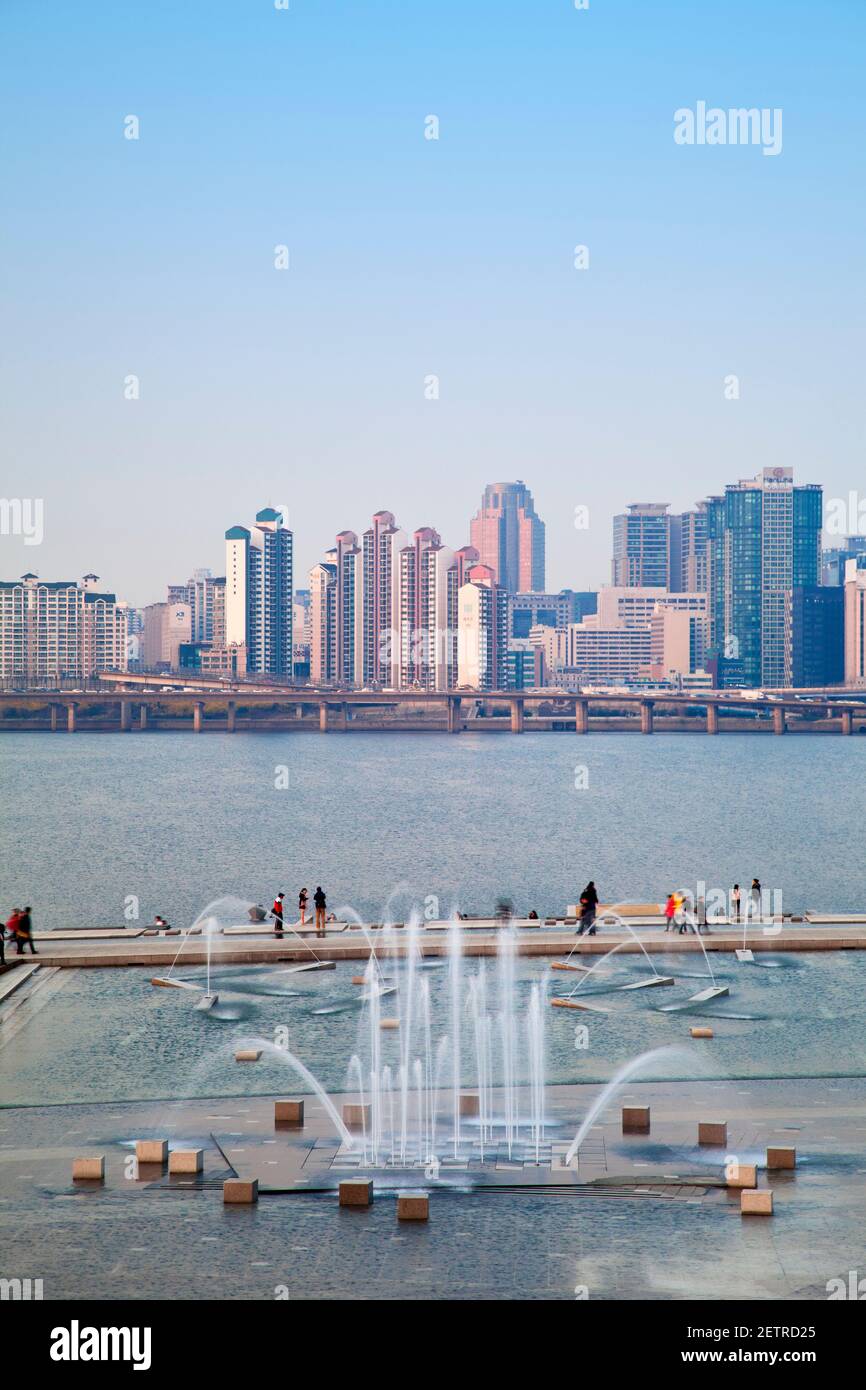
<point x="847" y="721"/>
<point x="323" y="717"/>
<point x="344" y="717"/>
<point x="197" y="713"/>
<point x="779" y="725"/>
<point x="125" y="716"/>
<point x="70" y="717"/>
<point x="517" y="716"/>
<point x="712" y="719"/>
<point x="231" y="716"/>
<point x="52" y="709"/>
<point x="581" y="716"/>
<point x="453" y="714"/>
<point x="142" y="717"/>
<point x="646" y="716"/>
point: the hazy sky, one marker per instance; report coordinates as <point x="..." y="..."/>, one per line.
<point x="410" y="257"/>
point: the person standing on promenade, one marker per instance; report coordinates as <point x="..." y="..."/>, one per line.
<point x="735" y="903"/>
<point x="755" y="898"/>
<point x="670" y="911"/>
<point x="321" y="903"/>
<point x="302" y="906"/>
<point x="701" y="914"/>
<point x="277" y="914"/>
<point x="588" y="905"/>
<point x="23" y="932"/>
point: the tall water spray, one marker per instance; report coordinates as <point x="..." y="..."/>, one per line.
<point x="487" y="1034"/>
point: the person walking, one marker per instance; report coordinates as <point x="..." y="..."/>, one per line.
<point x="321" y="903"/>
<point x="681" y="917"/>
<point x="670" y="911"/>
<point x="302" y="906"/>
<point x="23" y="932"/>
<point x="588" y="906"/>
<point x="735" y="903"/>
<point x="277" y="914"/>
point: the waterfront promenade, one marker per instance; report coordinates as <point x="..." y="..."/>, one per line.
<point x="135" y="947"/>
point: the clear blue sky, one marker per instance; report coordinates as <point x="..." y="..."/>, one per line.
<point x="411" y="257"/>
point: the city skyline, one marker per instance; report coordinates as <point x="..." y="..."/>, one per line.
<point x="215" y="547"/>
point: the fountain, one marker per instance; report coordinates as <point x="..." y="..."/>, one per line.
<point x="461" y="1086"/>
<point x="418" y="1112"/>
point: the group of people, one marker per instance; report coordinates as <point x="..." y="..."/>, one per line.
<point x="676" y="920"/>
<point x="19" y="928"/>
<point x="319" y="902"/>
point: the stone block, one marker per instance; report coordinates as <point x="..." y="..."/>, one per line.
<point x="713" y="1132"/>
<point x="289" y="1113"/>
<point x="240" y="1191"/>
<point x="389" y="1023"/>
<point x="356" y="1116"/>
<point x="741" y="1175"/>
<point x="186" y="1161"/>
<point x="469" y="1104"/>
<point x="356" y="1192"/>
<point x="635" y="1119"/>
<point x="413" y="1206"/>
<point x="781" y="1158"/>
<point x="90" y="1169"/>
<point x="151" y="1150"/>
<point x="757" y="1202"/>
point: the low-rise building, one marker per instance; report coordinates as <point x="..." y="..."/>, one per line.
<point x="53" y="630"/>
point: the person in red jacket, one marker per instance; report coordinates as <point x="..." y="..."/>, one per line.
<point x="277" y="914"/>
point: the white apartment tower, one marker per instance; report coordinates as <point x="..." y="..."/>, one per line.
<point x="258" y="603"/>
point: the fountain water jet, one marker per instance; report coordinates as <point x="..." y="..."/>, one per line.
<point x="619" y="1078"/>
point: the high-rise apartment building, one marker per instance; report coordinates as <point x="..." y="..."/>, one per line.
<point x="258" y="604"/>
<point x="323" y="620"/>
<point x="509" y="537"/>
<point x="423" y="608"/>
<point x="56" y="630"/>
<point x="336" y="614"/>
<point x="689" y="551"/>
<point x="482" y="636"/>
<point x="206" y="595"/>
<point x="642" y="546"/>
<point x="855" y="621"/>
<point x="763" y="541"/>
<point x="465" y="559"/>
<point x="380" y="566"/>
<point x="348" y="610"/>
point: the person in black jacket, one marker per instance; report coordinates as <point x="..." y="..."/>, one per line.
<point x="588" y="906"/>
<point x="321" y="904"/>
<point x="23" y="932"/>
